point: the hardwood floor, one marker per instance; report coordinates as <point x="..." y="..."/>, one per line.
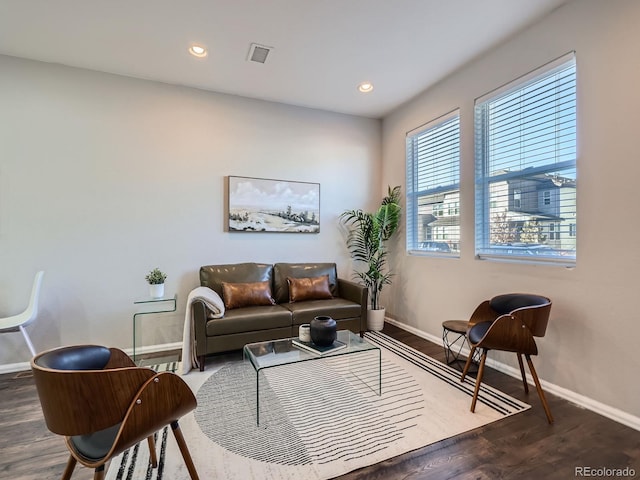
<point x="523" y="446"/>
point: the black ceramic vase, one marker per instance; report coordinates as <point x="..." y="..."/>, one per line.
<point x="323" y="331"/>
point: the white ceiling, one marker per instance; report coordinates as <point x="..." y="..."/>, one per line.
<point x="322" y="48"/>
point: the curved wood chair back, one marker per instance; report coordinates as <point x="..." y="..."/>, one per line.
<point x="86" y="389"/>
<point x="78" y="395"/>
<point x="532" y="310"/>
<point x="509" y="323"/>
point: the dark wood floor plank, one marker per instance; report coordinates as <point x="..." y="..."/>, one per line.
<point x="523" y="446"/>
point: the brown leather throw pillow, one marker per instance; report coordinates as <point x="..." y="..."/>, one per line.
<point x="237" y="295"/>
<point x="309" y="288"/>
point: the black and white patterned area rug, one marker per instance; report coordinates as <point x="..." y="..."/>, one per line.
<point x="318" y="419"/>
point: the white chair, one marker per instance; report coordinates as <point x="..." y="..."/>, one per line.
<point x="17" y="322"/>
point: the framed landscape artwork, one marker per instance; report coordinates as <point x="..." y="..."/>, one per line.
<point x="264" y="205"/>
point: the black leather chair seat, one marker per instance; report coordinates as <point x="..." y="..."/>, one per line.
<point x="477" y="331"/>
<point x="95" y="446"/>
<point x="249" y="319"/>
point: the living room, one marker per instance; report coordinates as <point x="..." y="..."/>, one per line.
<point x="104" y="177"/>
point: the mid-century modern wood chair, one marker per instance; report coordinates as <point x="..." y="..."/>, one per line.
<point x="103" y="404"/>
<point x="509" y="322"/>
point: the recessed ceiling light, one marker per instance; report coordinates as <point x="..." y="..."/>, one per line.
<point x="365" y="87"/>
<point x="197" y="51"/>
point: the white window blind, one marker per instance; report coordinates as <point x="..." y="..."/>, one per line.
<point x="526" y="167"/>
<point x="433" y="187"/>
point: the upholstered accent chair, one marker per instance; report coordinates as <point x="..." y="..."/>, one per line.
<point x="509" y="323"/>
<point x="103" y="404"/>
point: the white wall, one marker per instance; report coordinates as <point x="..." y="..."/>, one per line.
<point x="591" y="342"/>
<point x="104" y="177"/>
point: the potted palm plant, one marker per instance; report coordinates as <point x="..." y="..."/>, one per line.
<point x="366" y="242"/>
<point x="155" y="278"/>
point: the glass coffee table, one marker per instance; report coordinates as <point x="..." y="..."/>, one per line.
<point x="275" y="353"/>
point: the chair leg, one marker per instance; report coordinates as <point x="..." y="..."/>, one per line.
<point x="153" y="457"/>
<point x="468" y="364"/>
<point x="545" y="405"/>
<point x="201" y="361"/>
<point x="184" y="450"/>
<point x="524" y="377"/>
<point x="98" y="473"/>
<point x="71" y="464"/>
<point x="478" y="380"/>
<point x="28" y="340"/>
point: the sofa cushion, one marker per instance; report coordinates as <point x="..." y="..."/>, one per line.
<point x="238" y="295"/>
<point x="213" y="276"/>
<point x="249" y="319"/>
<point x="301" y="270"/>
<point x="309" y="288"/>
<point x="337" y="308"/>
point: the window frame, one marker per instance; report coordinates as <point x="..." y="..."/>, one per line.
<point x="485" y="180"/>
<point x="413" y="194"/>
<point x="517" y="198"/>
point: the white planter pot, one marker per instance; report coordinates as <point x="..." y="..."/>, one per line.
<point x="157" y="290"/>
<point x="375" y="319"/>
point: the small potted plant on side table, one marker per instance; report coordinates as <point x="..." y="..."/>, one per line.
<point x="156" y="279"/>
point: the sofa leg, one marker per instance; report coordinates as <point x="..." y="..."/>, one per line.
<point x="201" y="360"/>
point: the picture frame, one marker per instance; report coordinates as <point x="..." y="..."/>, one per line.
<point x="262" y="205"/>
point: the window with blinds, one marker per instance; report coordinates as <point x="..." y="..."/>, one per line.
<point x="433" y="187"/>
<point x="525" y="137"/>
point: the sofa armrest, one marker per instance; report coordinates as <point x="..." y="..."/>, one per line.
<point x="356" y="293"/>
<point x="352" y="291"/>
<point x="199" y="312"/>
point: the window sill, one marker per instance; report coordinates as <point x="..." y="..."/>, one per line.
<point x="555" y="262"/>
<point x="423" y="253"/>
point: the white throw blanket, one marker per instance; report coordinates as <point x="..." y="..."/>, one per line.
<point x="215" y="304"/>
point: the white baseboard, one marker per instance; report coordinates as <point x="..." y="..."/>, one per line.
<point x="155" y="348"/>
<point x="580" y="400"/>
<point x="22" y="366"/>
<point x="15" y="367"/>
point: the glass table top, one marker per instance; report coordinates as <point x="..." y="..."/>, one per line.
<point x="282" y="352"/>
<point x="166" y="298"/>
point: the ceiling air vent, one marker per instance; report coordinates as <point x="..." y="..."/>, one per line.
<point x="258" y="53"/>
